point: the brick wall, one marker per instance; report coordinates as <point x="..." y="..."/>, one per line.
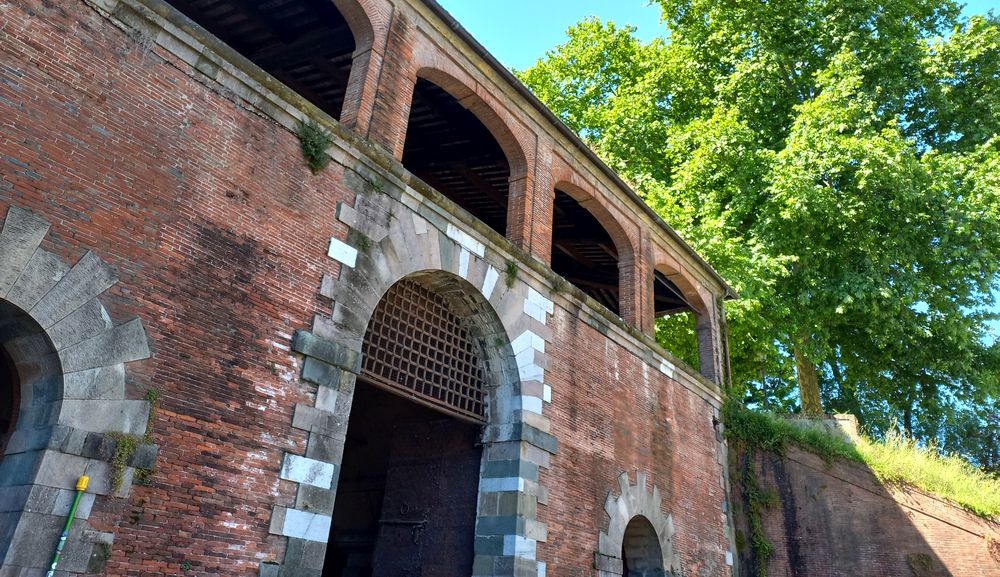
<point x="218" y="232"/>
<point x="839" y="520"/>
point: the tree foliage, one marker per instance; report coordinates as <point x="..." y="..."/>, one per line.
<point x="839" y="163"/>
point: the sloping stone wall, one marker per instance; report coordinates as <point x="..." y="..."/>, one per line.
<point x="840" y="520"/>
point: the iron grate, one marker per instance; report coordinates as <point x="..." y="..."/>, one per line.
<point x="417" y="345"/>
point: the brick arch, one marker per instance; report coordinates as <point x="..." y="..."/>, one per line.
<point x="491" y="118"/>
<point x="683" y="279"/>
<point x="631" y="503"/>
<point x="369" y="29"/>
<point x="70" y="359"/>
<point x="379" y="251"/>
<point x="588" y="200"/>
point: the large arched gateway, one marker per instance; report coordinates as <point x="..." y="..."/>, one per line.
<point x="406" y="500"/>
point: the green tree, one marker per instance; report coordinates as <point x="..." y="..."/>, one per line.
<point x="839" y="163"/>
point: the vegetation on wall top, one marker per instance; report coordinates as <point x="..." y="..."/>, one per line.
<point x="897" y="459"/>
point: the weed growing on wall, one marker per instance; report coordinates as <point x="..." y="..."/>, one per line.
<point x="315" y="140"/>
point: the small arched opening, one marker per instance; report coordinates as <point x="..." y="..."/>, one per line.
<point x="584" y="252"/>
<point x="642" y="555"/>
<point x="408" y="485"/>
<point x="450" y="148"/>
<point x="677" y="315"/>
<point x="308" y="45"/>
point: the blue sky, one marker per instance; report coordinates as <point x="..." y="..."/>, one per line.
<point x="518" y="32"/>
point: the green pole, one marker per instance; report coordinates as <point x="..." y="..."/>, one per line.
<point x="81" y="486"/>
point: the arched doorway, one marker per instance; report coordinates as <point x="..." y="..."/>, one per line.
<point x="641" y="552"/>
<point x="28" y="361"/>
<point x="407" y="495"/>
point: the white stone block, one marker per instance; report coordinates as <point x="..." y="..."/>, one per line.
<point x="465" y="239"/>
<point x="306" y="525"/>
<point x="342" y="252"/>
<point x="540" y="300"/>
<point x="326" y="399"/>
<point x="504" y="485"/>
<point x="547" y="393"/>
<point x="307" y="471"/>
<point x="419" y="224"/>
<point x="490" y="282"/>
<point x="528" y="341"/>
<point x="519" y="546"/>
<point x="531" y="372"/>
<point x="463" y="264"/>
<point x="667" y="368"/>
<point x="531" y="404"/>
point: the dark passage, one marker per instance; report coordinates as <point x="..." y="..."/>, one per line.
<point x="449" y="148"/>
<point x="306" y="44"/>
<point x="406" y="500"/>
<point x="9" y="386"/>
<point x="583" y="252"/>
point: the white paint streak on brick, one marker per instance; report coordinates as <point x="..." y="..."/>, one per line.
<point x="465" y="239"/>
<point x="342" y="252"/>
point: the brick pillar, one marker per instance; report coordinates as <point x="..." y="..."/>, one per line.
<point x="710" y="350"/>
<point x="540" y="202"/>
<point x="394" y="91"/>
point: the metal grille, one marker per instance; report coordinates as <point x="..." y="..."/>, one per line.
<point x="416" y="344"/>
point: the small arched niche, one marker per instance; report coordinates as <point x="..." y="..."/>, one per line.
<point x="642" y="555"/>
<point x="450" y="148"/>
<point x="584" y="252"/>
<point x="308" y="45"/>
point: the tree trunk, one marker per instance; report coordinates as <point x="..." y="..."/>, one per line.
<point x="805" y="371"/>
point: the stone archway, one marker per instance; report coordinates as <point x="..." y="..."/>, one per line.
<point x="67" y="359"/>
<point x="642" y="555"/>
<point x="639" y="538"/>
<point x="388" y="241"/>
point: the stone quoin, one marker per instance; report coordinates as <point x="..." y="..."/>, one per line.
<point x="435" y="355"/>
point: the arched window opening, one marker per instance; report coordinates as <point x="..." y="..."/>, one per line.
<point x="408" y="486"/>
<point x="306" y="44"/>
<point x="449" y="148"/>
<point x="676" y="320"/>
<point x="583" y="252"/>
<point x="10" y="386"/>
<point x="641" y="552"/>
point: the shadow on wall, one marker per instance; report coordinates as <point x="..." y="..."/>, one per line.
<point x="838" y="519"/>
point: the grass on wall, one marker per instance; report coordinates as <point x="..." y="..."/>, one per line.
<point x="897" y="459"/>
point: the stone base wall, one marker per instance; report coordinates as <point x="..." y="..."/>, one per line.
<point x="833" y="520"/>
